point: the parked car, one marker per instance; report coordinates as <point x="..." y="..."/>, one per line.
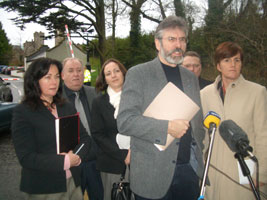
<point x="9" y="69"/>
<point x="6" y="110"/>
<point x="20" y="68"/>
<point x="3" y="69"/>
<point x="6" y="105"/>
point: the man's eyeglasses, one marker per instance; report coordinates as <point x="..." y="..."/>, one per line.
<point x="174" y="39"/>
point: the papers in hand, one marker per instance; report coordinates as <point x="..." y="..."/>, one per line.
<point x="171" y="103"/>
<point x="67" y="133"/>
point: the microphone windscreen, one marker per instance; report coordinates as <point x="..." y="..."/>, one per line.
<point x="232" y="134"/>
<point x="211" y="117"/>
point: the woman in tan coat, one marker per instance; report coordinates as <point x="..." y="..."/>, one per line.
<point x="244" y="102"/>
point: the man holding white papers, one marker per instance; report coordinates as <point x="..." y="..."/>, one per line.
<point x="172" y="173"/>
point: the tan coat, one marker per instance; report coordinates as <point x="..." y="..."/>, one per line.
<point x="246" y="104"/>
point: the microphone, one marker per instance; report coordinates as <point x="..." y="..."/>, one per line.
<point x="236" y="139"/>
<point x="211" y="120"/>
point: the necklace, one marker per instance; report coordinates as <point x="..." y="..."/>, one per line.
<point x="49" y="108"/>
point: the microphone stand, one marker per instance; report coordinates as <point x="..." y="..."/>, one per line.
<point x="246" y="172"/>
<point x="212" y="129"/>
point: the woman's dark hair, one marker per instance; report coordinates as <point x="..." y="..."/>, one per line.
<point x="227" y="50"/>
<point x="32" y="92"/>
<point x="101" y="84"/>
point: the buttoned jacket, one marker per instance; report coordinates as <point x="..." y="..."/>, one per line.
<point x="245" y="103"/>
<point x="151" y="170"/>
<point x="34" y="137"/>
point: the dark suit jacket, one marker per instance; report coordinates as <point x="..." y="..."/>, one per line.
<point x="87" y="100"/>
<point x="90" y="94"/>
<point x="104" y="131"/>
<point x="34" y="137"/>
<point x="203" y="82"/>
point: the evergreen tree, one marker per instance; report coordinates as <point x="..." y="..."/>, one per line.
<point x="54" y="14"/>
<point x="5" y="48"/>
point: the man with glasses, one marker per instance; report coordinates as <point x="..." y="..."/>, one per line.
<point x="192" y="62"/>
<point x="175" y="172"/>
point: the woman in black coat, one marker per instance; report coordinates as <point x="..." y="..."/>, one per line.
<point x="46" y="174"/>
<point x="112" y="160"/>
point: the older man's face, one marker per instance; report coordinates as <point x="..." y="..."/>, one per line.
<point x="172" y="46"/>
<point x="73" y="75"/>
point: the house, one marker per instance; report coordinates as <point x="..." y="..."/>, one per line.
<point x="59" y="52"/>
<point x="32" y="46"/>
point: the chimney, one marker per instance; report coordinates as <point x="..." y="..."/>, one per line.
<point x="59" y="37"/>
<point x="38" y="39"/>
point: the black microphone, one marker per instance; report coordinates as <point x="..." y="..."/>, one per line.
<point x="236" y="139"/>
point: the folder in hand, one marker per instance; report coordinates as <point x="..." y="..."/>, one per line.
<point x="67" y="133"/>
<point x="171" y="103"/>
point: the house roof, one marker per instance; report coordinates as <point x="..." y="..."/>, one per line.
<point x="45" y="48"/>
<point x="65" y="40"/>
<point x="41" y="50"/>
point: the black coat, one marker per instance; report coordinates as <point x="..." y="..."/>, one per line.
<point x="33" y="133"/>
<point x="104" y="131"/>
<point x="203" y="82"/>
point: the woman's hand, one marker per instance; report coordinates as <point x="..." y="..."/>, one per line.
<point x="127" y="159"/>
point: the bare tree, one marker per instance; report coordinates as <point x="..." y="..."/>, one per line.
<point x="114" y="8"/>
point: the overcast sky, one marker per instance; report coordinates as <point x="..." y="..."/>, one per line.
<point x="14" y="34"/>
<point x="18" y="37"/>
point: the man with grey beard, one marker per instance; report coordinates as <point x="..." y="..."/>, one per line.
<point x="175" y="172"/>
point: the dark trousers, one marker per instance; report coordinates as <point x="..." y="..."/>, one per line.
<point x="184" y="186"/>
<point x="91" y="181"/>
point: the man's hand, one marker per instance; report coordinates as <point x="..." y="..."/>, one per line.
<point x="178" y="127"/>
<point x="74" y="159"/>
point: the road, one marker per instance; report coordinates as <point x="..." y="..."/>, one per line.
<point x="9" y="170"/>
<point x="9" y="166"/>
